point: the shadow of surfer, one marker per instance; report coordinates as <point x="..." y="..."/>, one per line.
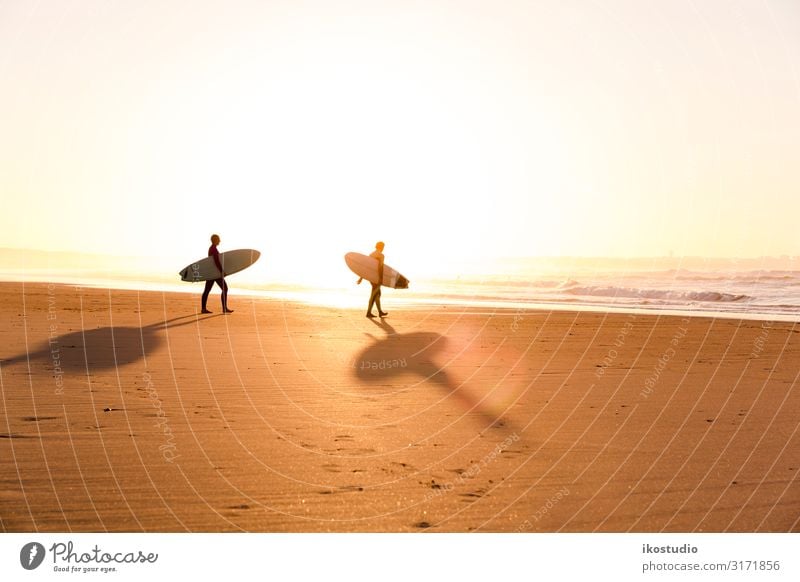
<point x="101" y="348"/>
<point x="415" y="353"/>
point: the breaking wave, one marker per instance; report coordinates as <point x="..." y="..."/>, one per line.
<point x="656" y="294"/>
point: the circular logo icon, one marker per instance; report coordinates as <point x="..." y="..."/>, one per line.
<point x="31" y="555"/>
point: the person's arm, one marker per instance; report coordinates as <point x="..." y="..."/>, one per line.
<point x="217" y="262"/>
<point x="380" y="271"/>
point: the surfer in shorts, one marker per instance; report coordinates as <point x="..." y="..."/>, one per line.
<point x="213" y="252"/>
<point x="375" y="295"/>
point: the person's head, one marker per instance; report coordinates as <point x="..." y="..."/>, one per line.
<point x="214" y="239"/>
<point x="379" y="246"/>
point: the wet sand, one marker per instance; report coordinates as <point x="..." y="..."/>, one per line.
<point x="126" y="411"/>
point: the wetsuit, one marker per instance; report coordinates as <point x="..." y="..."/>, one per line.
<point x="213" y="252"/>
<point x="375" y="296"/>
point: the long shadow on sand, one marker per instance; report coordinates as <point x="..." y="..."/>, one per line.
<point x="101" y="348"/>
<point x="384" y="359"/>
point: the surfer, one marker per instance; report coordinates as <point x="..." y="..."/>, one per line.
<point x="213" y="252"/>
<point x="375" y="295"/>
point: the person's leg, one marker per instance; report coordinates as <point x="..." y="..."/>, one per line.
<point x="378" y="303"/>
<point x="224" y="287"/>
<point x="206" y="291"/>
<point x="376" y="289"/>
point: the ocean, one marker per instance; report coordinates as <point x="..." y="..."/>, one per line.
<point x="766" y="288"/>
<point x="763" y="293"/>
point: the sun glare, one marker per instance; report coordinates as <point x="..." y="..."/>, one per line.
<point x="454" y="136"/>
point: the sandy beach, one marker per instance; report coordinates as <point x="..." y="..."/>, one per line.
<point x="126" y="411"/>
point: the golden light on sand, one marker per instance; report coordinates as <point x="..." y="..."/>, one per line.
<point x="595" y="204"/>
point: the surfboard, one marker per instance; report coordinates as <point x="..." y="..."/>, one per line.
<point x="232" y="262"/>
<point x="367" y="267"/>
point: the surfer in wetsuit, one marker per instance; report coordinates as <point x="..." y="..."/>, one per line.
<point x="213" y="252"/>
<point x="375" y="296"/>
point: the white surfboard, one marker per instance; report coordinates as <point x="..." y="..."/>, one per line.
<point x="232" y="262"/>
<point x="367" y="267"/>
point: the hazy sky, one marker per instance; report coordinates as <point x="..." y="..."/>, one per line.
<point x="456" y="129"/>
